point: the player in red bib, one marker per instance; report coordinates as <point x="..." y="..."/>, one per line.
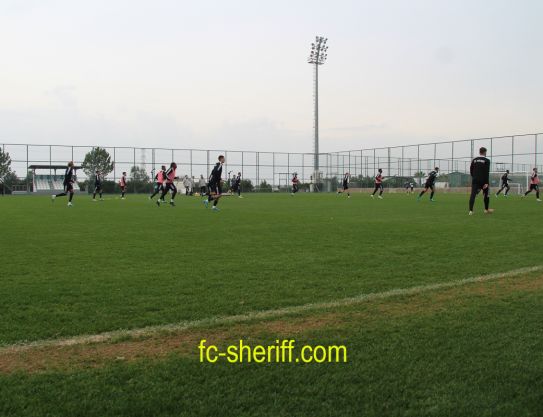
<point x="295" y="183"/>
<point x="534" y="185"/>
<point x="378" y="184"/>
<point x="169" y="178"/>
<point x="122" y="184"/>
<point x="159" y="182"/>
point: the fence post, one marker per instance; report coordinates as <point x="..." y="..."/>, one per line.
<point x="134" y="182"/>
<point x="114" y="165"/>
<point x="535" y="151"/>
<point x="288" y="170"/>
<point x="418" y="164"/>
<point x="27" y="187"/>
<point x="452" y="155"/>
<point x="512" y="154"/>
<point x="388" y="160"/>
<point x="258" y="169"/>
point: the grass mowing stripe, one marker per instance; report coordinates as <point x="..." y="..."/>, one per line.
<point x="265" y="314"/>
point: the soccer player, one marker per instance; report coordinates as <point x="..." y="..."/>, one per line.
<point x="430" y="184"/>
<point x="379" y="183"/>
<point x="202" y="185"/>
<point x="480" y="174"/>
<point x="215" y="184"/>
<point x="534" y="185"/>
<point x="295" y="181"/>
<point x="412" y="187"/>
<point x="159" y="182"/>
<point x="69" y="179"/>
<point x="345" y="184"/>
<point x="97" y="186"/>
<point x="170" y="177"/>
<point x="187" y="183"/>
<point x="505" y="184"/>
<point x="236" y="185"/>
<point x="122" y="184"/>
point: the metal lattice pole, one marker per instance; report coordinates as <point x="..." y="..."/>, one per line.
<point x="317" y="57"/>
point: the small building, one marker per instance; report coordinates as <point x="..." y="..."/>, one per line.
<point x="49" y="178"/>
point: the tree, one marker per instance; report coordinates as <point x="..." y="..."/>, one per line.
<point x="5" y="164"/>
<point x="419" y="175"/>
<point x="265" y="187"/>
<point x="139" y="174"/>
<point x="247" y="186"/>
<point x="97" y="160"/>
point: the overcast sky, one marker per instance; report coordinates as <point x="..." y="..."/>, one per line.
<point x="234" y="74"/>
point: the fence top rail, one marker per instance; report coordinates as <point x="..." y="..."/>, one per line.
<point x="445" y="142"/>
<point x="158" y="148"/>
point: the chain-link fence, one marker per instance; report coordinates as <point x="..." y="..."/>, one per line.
<point x="272" y="170"/>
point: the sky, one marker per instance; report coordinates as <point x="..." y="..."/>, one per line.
<point x="234" y="74"/>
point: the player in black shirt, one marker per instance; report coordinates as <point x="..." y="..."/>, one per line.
<point x="345" y="184"/>
<point x="378" y="184"/>
<point x="430" y="184"/>
<point x="236" y="185"/>
<point x="505" y="184"/>
<point x="97" y="185"/>
<point x="480" y="180"/>
<point x="69" y="179"/>
<point x="214" y="185"/>
<point x="295" y="183"/>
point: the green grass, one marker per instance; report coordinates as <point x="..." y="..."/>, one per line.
<point x="127" y="264"/>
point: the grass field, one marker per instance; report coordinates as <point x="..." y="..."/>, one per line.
<point x="472" y="349"/>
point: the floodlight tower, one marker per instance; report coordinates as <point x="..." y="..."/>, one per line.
<point x="317" y="57"/>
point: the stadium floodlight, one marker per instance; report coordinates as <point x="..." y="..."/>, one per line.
<point x="317" y="56"/>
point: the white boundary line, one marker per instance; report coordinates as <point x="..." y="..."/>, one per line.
<point x="258" y="315"/>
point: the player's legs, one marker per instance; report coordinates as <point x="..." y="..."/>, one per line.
<point x="507" y="188"/>
<point x="423" y="192"/>
<point x="432" y="193"/>
<point x="218" y="196"/>
<point x="375" y="189"/>
<point x="70" y="191"/>
<point x="163" y="194"/>
<point x="155" y="192"/>
<point x="486" y="198"/>
<point x="474" y="191"/>
<point x="381" y="190"/>
<point x="500" y="190"/>
<point x="174" y="192"/>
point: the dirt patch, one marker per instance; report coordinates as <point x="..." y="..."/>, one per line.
<point x="80" y="356"/>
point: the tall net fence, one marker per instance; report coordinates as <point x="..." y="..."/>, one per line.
<point x="272" y="170"/>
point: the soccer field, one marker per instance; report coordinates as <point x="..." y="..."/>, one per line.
<point x="270" y="267"/>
